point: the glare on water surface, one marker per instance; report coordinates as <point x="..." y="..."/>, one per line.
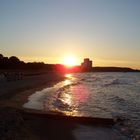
<point x="66" y="98"/>
<point x="72" y="95"/>
<point x="68" y="75"/>
<point x="67" y="82"/>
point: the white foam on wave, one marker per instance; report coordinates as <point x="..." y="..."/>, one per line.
<point x="35" y="101"/>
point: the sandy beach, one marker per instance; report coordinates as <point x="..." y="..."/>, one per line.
<point x="32" y="80"/>
<point x="17" y="123"/>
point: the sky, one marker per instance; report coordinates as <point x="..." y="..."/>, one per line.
<point x="106" y="31"/>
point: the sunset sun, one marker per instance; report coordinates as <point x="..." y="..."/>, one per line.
<point x="70" y="61"/>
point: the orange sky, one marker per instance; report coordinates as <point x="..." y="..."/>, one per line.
<point x="107" y="32"/>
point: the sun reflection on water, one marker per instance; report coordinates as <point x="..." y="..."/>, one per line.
<point x="69" y="78"/>
<point x="66" y="98"/>
<point x="69" y="96"/>
<point x="68" y="75"/>
<point x="67" y="82"/>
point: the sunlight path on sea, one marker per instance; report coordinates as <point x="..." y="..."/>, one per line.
<point x="64" y="97"/>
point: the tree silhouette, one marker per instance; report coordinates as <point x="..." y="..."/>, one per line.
<point x="14" y="59"/>
<point x="1" y="56"/>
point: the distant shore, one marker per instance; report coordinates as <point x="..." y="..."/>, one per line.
<point x="13" y="63"/>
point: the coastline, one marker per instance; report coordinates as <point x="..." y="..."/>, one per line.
<point x="17" y="92"/>
<point x="37" y="127"/>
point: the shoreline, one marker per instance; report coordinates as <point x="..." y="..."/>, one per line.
<point x="21" y="89"/>
<point x="42" y="127"/>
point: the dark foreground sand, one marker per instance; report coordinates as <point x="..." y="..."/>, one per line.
<point x="17" y="123"/>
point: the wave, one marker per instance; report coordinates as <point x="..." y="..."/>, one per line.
<point x="126" y="127"/>
<point x="116" y="82"/>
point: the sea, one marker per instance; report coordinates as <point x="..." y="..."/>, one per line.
<point x="95" y="94"/>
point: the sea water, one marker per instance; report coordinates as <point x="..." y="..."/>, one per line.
<point x="104" y="95"/>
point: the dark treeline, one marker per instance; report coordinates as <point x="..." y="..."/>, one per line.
<point x="15" y="63"/>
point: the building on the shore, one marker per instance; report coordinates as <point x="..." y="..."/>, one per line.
<point x="86" y="65"/>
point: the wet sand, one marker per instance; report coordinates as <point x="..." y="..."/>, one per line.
<point x="34" y="125"/>
<point x="30" y="126"/>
